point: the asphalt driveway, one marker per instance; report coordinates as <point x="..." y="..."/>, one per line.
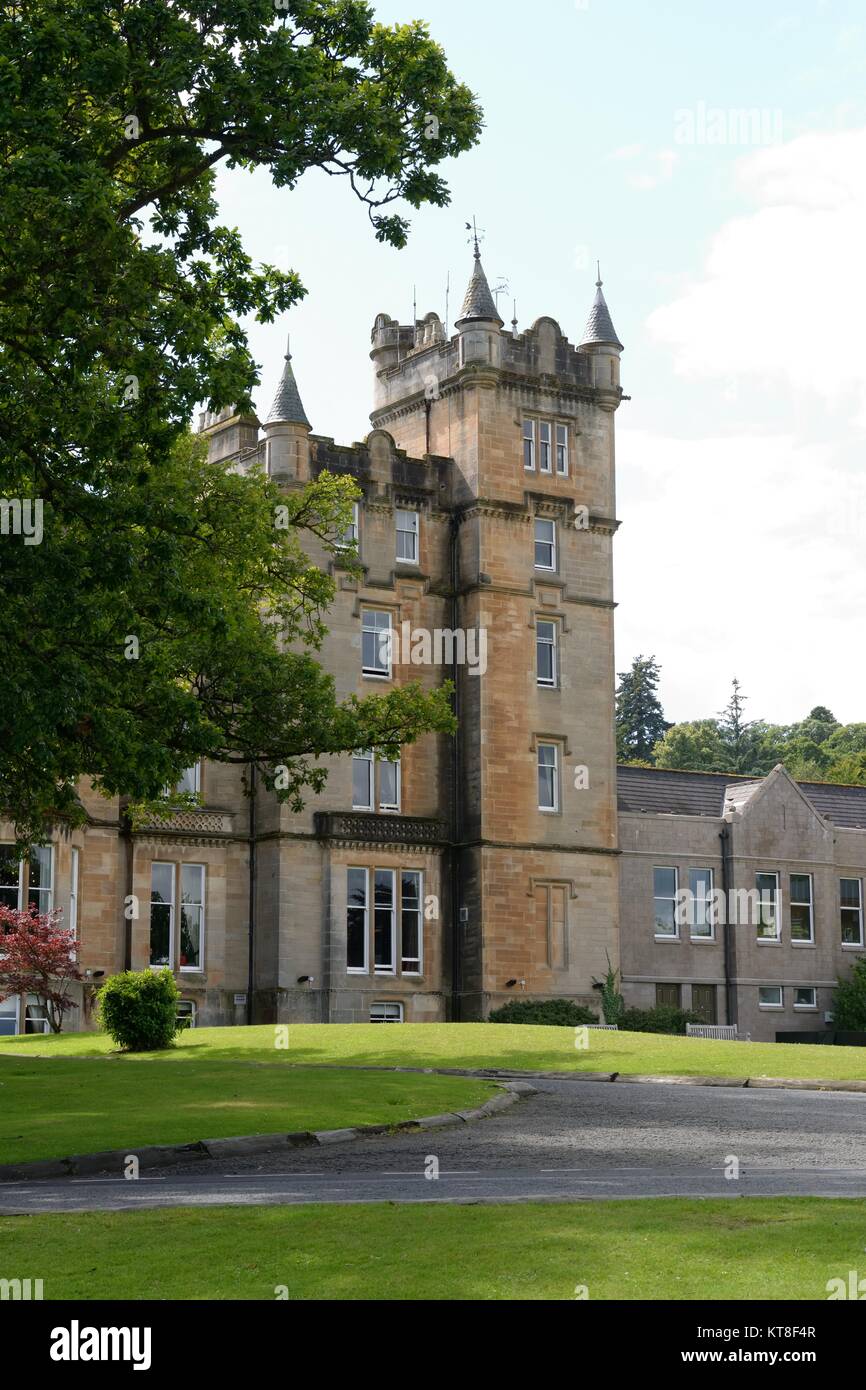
<point x="573" y="1139"/>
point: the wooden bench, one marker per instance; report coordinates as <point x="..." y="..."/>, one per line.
<point x="724" y="1031"/>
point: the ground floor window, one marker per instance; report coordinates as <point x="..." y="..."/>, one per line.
<point x="9" y="1017"/>
<point x="770" y="996"/>
<point x="186" y="1012"/>
<point x="384" y="921"/>
<point x="35" y="1016"/>
<point x="382" y="1012"/>
<point x="27" y="882"/>
<point x="173" y="885"/>
<point x="805" y="997"/>
<point x="851" y="908"/>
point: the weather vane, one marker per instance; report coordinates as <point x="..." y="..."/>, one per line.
<point x="476" y="237"/>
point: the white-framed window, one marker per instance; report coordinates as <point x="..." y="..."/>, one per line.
<point x="389" y="784"/>
<point x="362" y="780"/>
<point x="376" y="642"/>
<point x="9" y="1016"/>
<point x="186" y="1012"/>
<point x="11" y="878"/>
<point x="190" y="781"/>
<point x="35" y="1016"/>
<point x="701" y="921"/>
<point x="388" y="914"/>
<point x="805" y="997"/>
<point x="544" y="449"/>
<point x="767" y="886"/>
<point x="367" y="769"/>
<point x="548" y="777"/>
<point x="161" y="914"/>
<point x="562" y="450"/>
<point x="40" y="876"/>
<point x="770" y="997"/>
<point x="529" y="445"/>
<point x="851" y="911"/>
<point x="545" y="652"/>
<point x="384" y="922"/>
<point x="802" y="917"/>
<point x="72" y="924"/>
<point x="411" y="930"/>
<point x="545" y="544"/>
<point x="407" y="537"/>
<point x="191" y="946"/>
<point x="349" y="538"/>
<point x="357" y="919"/>
<point x="383" y="1011"/>
<point x="27" y="882"/>
<point x="665" y="884"/>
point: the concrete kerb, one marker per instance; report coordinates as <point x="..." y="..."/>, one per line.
<point x="166" y="1155"/>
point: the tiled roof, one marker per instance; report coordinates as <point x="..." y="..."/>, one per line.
<point x="599" y="325"/>
<point x="657" y="791"/>
<point x="478" y="302"/>
<point x="287" y="408"/>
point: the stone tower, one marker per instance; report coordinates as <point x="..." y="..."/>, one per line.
<point x="528" y="419"/>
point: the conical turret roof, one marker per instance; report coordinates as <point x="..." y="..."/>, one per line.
<point x="288" y="408"/>
<point x="599" y="325"/>
<point x="478" y="302"/>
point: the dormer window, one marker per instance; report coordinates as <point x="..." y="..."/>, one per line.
<point x="407" y="537"/>
<point x="349" y="538"/>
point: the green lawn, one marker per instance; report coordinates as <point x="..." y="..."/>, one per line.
<point x="52" y="1109"/>
<point x="469" y="1045"/>
<point x="776" y="1248"/>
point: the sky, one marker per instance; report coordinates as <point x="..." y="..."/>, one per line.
<point x="713" y="158"/>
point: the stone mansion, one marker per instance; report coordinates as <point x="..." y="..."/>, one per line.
<point x="515" y="859"/>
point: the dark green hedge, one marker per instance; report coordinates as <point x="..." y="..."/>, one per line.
<point x="562" y="1012"/>
<point x="664" y="1018"/>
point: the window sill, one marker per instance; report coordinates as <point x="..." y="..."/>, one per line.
<point x="356" y="970"/>
<point x="772" y="1008"/>
<point x="812" y="944"/>
<point x="675" y="939"/>
<point x="805" y="1008"/>
<point x="703" y="940"/>
<point x="768" y="941"/>
<point x="376" y="675"/>
<point x="852" y="946"/>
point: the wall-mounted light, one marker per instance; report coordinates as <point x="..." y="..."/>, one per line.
<point x="306" y="979"/>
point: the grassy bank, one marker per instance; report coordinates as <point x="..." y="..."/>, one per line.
<point x="476" y="1045"/>
<point x="779" y="1248"/>
<point x="51" y="1109"/>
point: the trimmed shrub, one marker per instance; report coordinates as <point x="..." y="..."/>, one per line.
<point x="138" y="1009"/>
<point x="562" y="1012"/>
<point x="664" y="1018"/>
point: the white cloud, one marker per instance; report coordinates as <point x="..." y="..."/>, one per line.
<point x="782" y="295"/>
<point x="742" y="556"/>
